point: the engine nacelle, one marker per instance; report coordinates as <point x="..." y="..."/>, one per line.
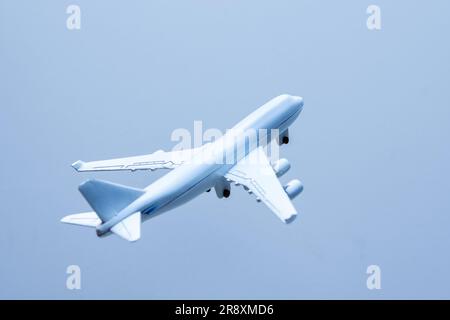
<point x="284" y="137"/>
<point x="293" y="188"/>
<point x="281" y="167"/>
<point x="222" y="188"/>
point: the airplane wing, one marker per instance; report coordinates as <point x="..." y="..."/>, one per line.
<point x="157" y="160"/>
<point x="255" y="173"/>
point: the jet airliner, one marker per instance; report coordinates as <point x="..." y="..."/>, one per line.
<point x="120" y="209"/>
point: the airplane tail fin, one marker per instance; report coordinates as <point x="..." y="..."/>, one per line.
<point x="108" y="199"/>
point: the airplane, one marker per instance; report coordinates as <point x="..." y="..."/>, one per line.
<point x="120" y="209"/>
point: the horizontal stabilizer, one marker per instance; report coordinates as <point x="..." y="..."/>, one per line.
<point x="129" y="228"/>
<point x="88" y="219"/>
<point x="107" y="198"/>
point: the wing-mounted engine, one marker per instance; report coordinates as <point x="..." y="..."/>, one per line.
<point x="293" y="188"/>
<point x="223" y="188"/>
<point x="281" y="167"/>
<point x="284" y="137"/>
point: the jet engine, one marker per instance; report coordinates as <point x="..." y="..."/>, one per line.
<point x="281" y="167"/>
<point x="293" y="188"/>
<point x="284" y="137"/>
<point x="223" y="188"/>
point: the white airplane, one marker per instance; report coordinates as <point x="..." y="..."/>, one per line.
<point x="119" y="209"/>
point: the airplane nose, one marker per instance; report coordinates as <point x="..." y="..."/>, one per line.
<point x="298" y="100"/>
<point x="298" y="103"/>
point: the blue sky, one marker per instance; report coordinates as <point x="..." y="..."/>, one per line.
<point x="371" y="146"/>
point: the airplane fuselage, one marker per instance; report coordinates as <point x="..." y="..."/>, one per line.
<point x="206" y="169"/>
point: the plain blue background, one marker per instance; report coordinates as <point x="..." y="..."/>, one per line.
<point x="371" y="146"/>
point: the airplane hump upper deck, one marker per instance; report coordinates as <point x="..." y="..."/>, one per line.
<point x="272" y="114"/>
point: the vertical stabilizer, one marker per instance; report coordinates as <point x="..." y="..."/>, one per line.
<point x="107" y="198"/>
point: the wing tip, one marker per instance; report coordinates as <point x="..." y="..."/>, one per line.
<point x="65" y="219"/>
<point x="77" y="165"/>
<point x="290" y="219"/>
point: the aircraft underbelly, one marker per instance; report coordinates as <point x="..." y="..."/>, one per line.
<point x="189" y="195"/>
<point x="169" y="194"/>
